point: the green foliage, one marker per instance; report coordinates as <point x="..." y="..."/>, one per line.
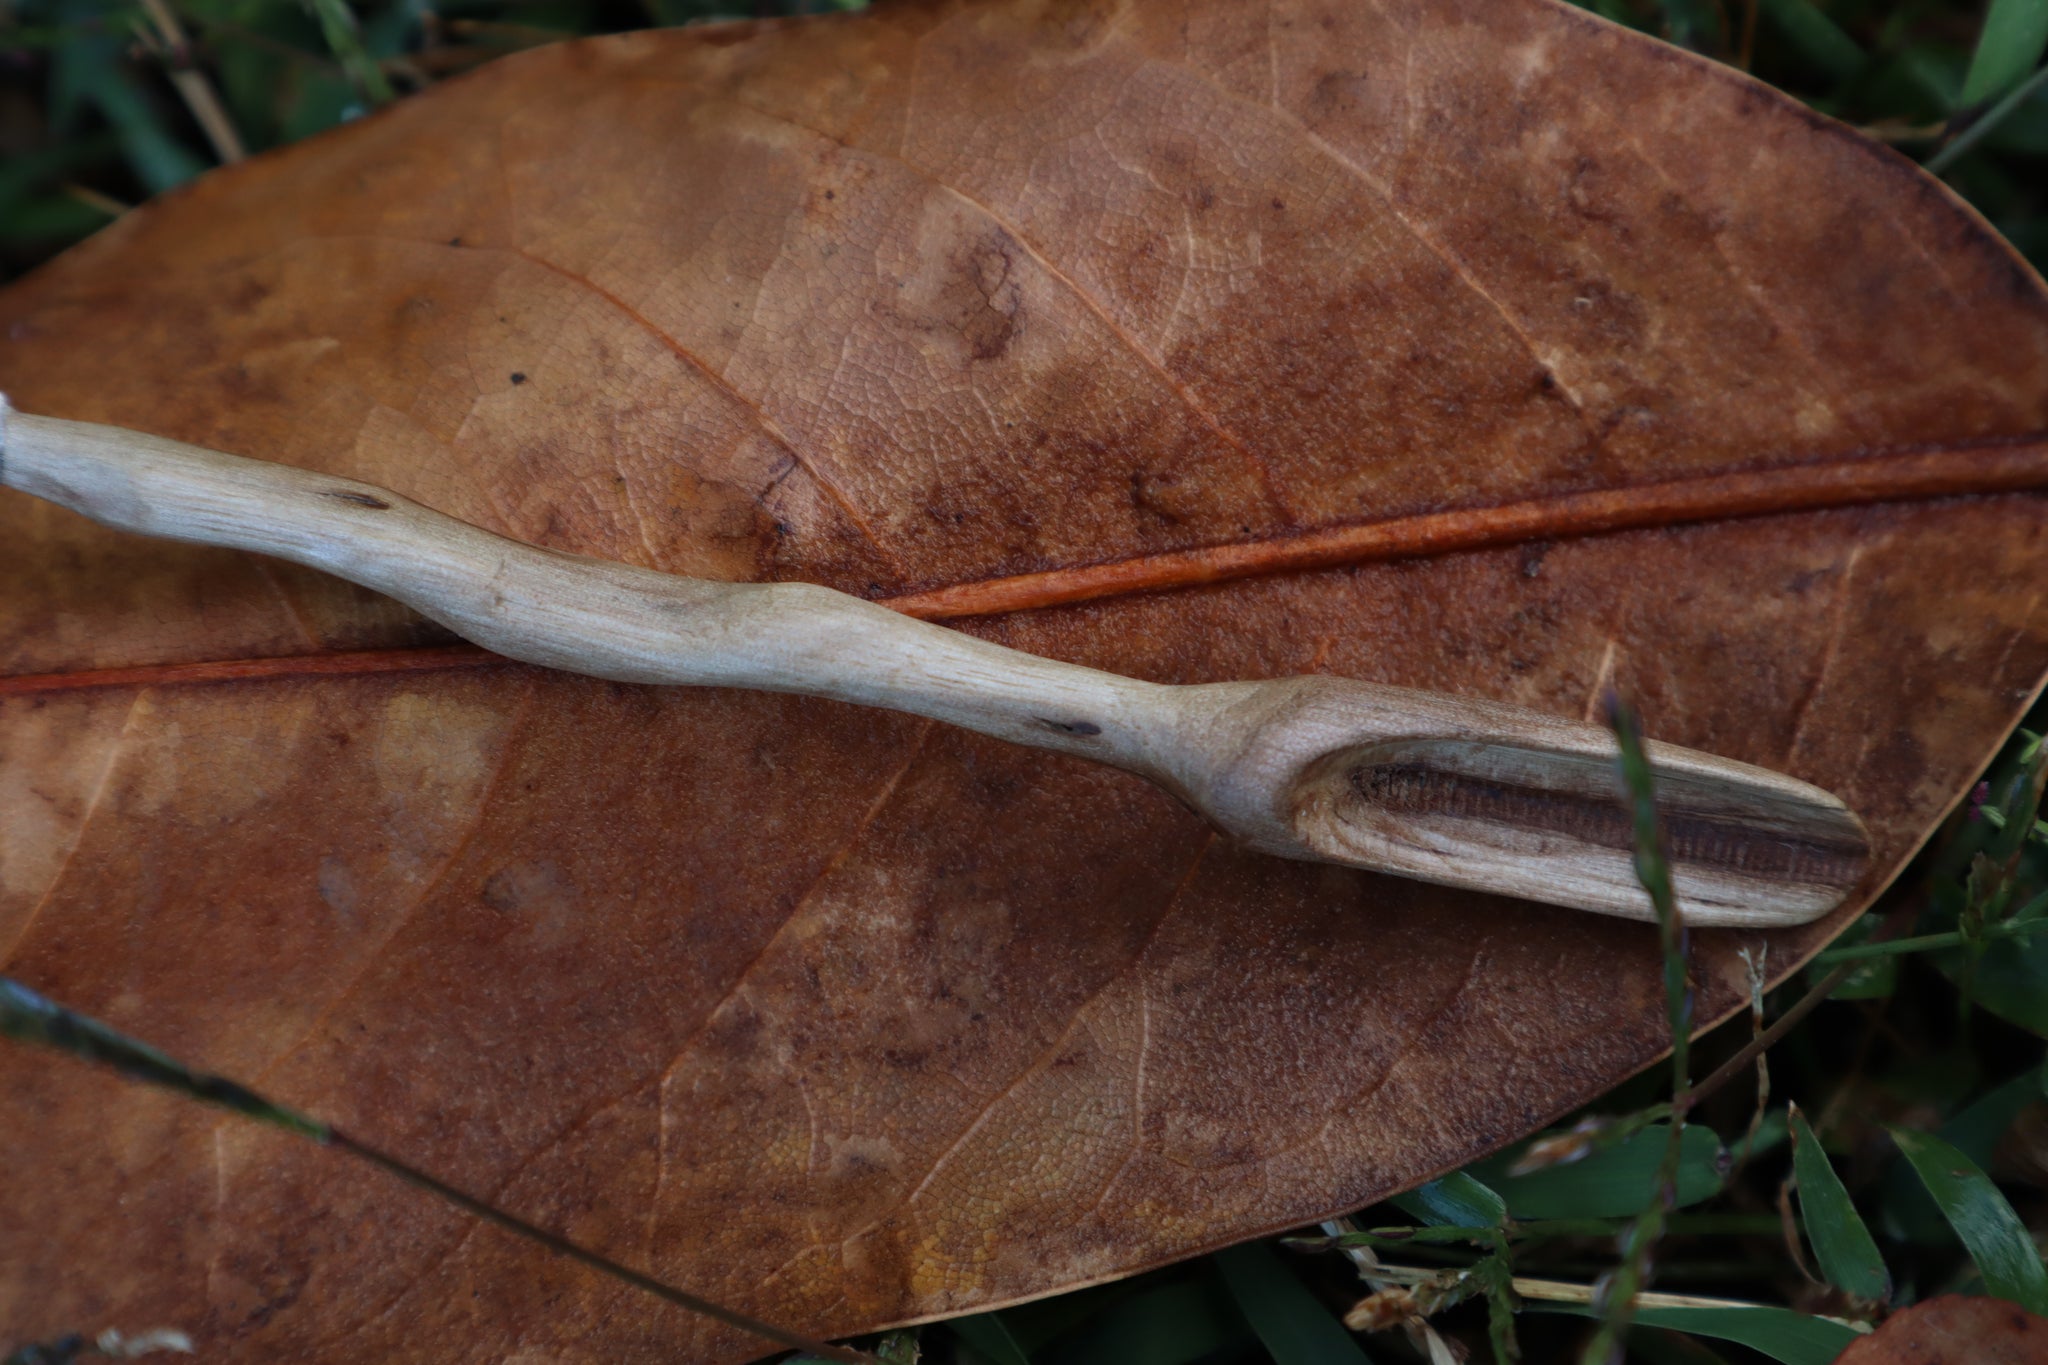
<point x="1293" y="1326"/>
<point x="1974" y="1129"/>
<point x="1998" y="1241"/>
<point x="1617" y="1181"/>
<point x="2015" y="33"/>
<point x="1815" y="38"/>
<point x="1780" y="1333"/>
<point x="1457" y="1199"/>
<point x="986" y="1336"/>
<point x="1841" y="1243"/>
<point x="1174" y="1319"/>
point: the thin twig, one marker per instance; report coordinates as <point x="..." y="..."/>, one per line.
<point x="1564" y="1291"/>
<point x="1903" y="914"/>
<point x="192" y="84"/>
<point x="1981" y="128"/>
<point x="29" y="1017"/>
<point x="1753" y="965"/>
<point x="1535" y="1230"/>
<point x="95" y="199"/>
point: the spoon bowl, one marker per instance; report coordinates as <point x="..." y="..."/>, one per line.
<point x="1491" y="797"/>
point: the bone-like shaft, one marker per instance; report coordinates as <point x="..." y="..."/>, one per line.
<point x="1447" y="789"/>
<point x="571" y="612"/>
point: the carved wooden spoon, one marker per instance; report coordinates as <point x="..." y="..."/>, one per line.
<point x="1468" y="793"/>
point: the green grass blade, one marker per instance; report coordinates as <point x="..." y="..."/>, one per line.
<point x="1692" y="23"/>
<point x="1045" y="1328"/>
<point x="1781" y="1333"/>
<point x="986" y="1336"/>
<point x="2010" y="979"/>
<point x="1974" y="1131"/>
<point x="1292" y="1323"/>
<point x="93" y="74"/>
<point x="1815" y="37"/>
<point x="1662" y="1346"/>
<point x="29" y="1018"/>
<point x="1175" y="1324"/>
<point x="1610" y="1182"/>
<point x="1989" y="1229"/>
<point x="2015" y="34"/>
<point x="1841" y="1243"/>
<point x="1456" y="1200"/>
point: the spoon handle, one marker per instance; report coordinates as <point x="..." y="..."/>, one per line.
<point x="584" y="615"/>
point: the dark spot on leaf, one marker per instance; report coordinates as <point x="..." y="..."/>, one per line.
<point x="518" y="377"/>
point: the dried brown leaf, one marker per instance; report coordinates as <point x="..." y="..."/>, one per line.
<point x="1475" y="346"/>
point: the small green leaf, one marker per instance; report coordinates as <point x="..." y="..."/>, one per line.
<point x="1610" y="1182"/>
<point x="1975" y="1129"/>
<point x="2015" y="34"/>
<point x="1291" y="1322"/>
<point x="987" y="1337"/>
<point x="1989" y="1229"/>
<point x="1841" y="1243"/>
<point x="1780" y="1333"/>
<point x="1455" y="1200"/>
<point x="900" y="1347"/>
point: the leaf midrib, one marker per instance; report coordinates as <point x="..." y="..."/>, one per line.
<point x="1914" y="474"/>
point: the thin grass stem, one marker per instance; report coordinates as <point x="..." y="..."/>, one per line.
<point x="1961" y="145"/>
<point x="175" y="49"/>
<point x="1902" y="915"/>
<point x="1618" y="1293"/>
<point x="28" y="1017"/>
